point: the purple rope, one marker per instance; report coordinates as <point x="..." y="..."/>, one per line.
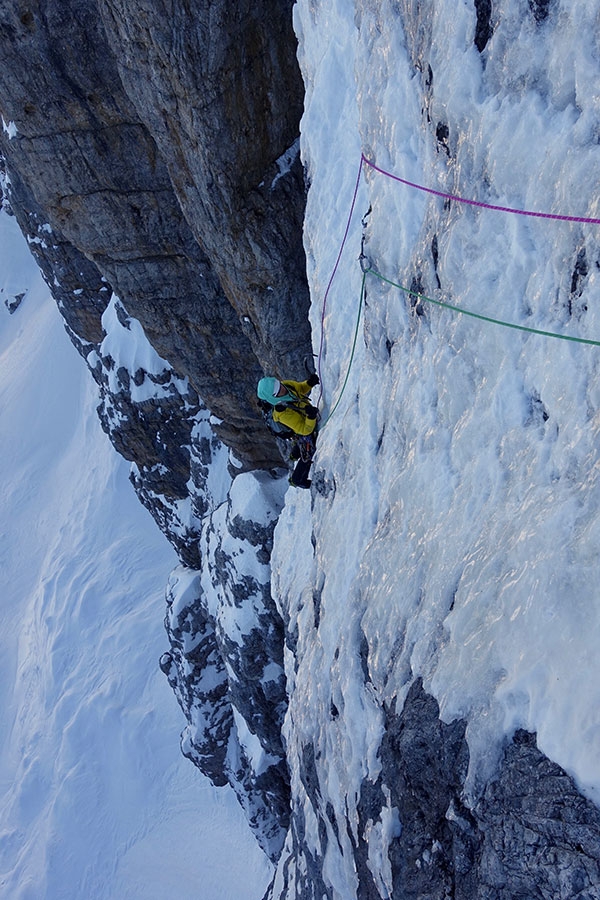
<point x="335" y="268"/>
<point x="506" y="209"/>
<point x="420" y="187"/>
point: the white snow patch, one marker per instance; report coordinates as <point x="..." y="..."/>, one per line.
<point x="129" y="347"/>
<point x="10" y="129"/>
<point x="258" y="758"/>
<point x="285" y="163"/>
<point x="256" y="497"/>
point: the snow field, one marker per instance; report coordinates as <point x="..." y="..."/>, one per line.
<point x="97" y="800"/>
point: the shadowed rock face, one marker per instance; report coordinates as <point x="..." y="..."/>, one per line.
<point x="147" y="138"/>
<point x="222" y="124"/>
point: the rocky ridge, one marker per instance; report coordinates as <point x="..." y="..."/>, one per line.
<point x="225" y="663"/>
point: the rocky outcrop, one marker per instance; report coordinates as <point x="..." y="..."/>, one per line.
<point x="152" y="143"/>
<point x="225" y="661"/>
<point x="531" y="834"/>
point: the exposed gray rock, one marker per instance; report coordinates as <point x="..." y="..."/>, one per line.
<point x="541" y="838"/>
<point x="531" y="835"/>
<point x="12" y="303"/>
<point x="110" y="192"/>
<point x="484" y="28"/>
<point x="228" y="126"/>
<point x="540" y="9"/>
<point x="196" y="672"/>
<point x="424" y="765"/>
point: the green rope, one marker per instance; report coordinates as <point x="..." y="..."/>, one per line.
<point x="360" y="306"/>
<point x="474" y="315"/>
<point x="464" y="312"/>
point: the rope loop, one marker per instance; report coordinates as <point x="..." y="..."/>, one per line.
<point x="335" y="268"/>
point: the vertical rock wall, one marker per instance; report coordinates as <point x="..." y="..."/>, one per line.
<point x="218" y="86"/>
<point x="147" y="136"/>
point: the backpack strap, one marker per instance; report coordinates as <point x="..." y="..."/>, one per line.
<point x="279" y="429"/>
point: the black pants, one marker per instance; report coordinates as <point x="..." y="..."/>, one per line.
<point x="300" y="474"/>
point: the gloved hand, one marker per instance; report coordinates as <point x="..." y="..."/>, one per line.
<point x="311" y="412"/>
<point x="313" y="379"/>
<point x="280" y="407"/>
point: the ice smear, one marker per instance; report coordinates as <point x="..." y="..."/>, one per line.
<point x="10" y="129"/>
<point x="286" y="161"/>
<point x="258" y="758"/>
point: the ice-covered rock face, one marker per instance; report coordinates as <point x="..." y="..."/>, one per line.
<point x="439" y="589"/>
<point x="411" y="835"/>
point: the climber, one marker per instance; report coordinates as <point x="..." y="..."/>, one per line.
<point x="292" y="415"/>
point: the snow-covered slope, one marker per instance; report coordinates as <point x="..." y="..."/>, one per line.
<point x="454" y="532"/>
<point x="97" y="800"/>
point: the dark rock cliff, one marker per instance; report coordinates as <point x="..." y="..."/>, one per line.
<point x="219" y="89"/>
<point x="530" y="835"/>
<point x="152" y="140"/>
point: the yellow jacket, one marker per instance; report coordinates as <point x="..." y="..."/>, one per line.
<point x="292" y="415"/>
